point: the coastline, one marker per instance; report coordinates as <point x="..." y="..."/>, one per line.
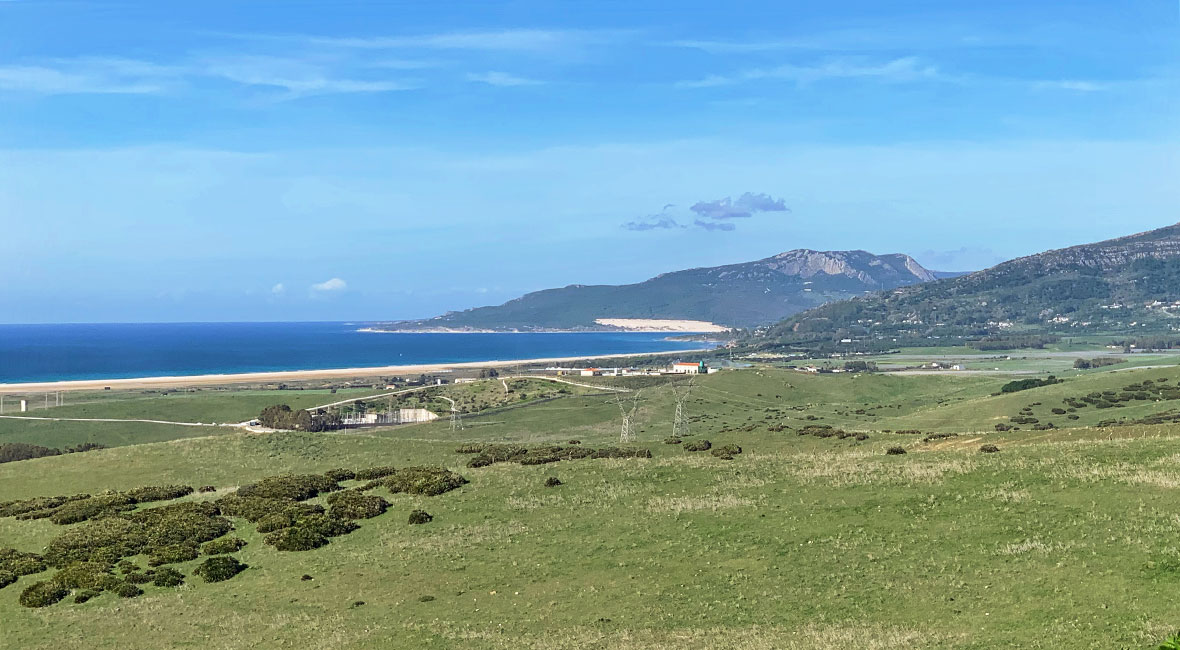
<point x="298" y="375"/>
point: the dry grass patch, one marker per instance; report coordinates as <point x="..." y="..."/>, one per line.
<point x="809" y="637"/>
<point x="867" y="468"/>
<point x="454" y="537"/>
<point x="711" y="502"/>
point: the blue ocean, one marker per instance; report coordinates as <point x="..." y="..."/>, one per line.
<point x="31" y="353"/>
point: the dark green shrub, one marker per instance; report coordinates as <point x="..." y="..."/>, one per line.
<point x="1001" y="427"/>
<point x="373" y="473"/>
<point x="428" y="481"/>
<point x="85" y="575"/>
<point x="173" y="554"/>
<point x="290" y="486"/>
<point x="340" y="474"/>
<point x="420" y="517"/>
<point x="275" y="522"/>
<point x="574" y="442"/>
<point x="989" y="449"/>
<point x="168" y="577"/>
<point x="39" y="504"/>
<point x="218" y="569"/>
<point x="672" y="441"/>
<point x="127" y="590"/>
<point x="698" y="445"/>
<point x="43" y="594"/>
<point x="327" y="526"/>
<point x="895" y="451"/>
<point x="205" y="489"/>
<point x="295" y="539"/>
<point x="223" y="546"/>
<point x="727" y="450"/>
<point x="159" y="493"/>
<point x="140" y="577"/>
<point x="552" y="481"/>
<point x="85" y="595"/>
<point x="352" y="504"/>
<point x="106" y="540"/>
<point x="254" y="509"/>
<point x="862" y="437"/>
<point x="20" y="564"/>
<point x="6" y="578"/>
<point x="182" y="524"/>
<point x="425" y="599"/>
<point x="78" y="511"/>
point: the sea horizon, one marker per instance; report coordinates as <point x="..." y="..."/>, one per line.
<point x="53" y="352"/>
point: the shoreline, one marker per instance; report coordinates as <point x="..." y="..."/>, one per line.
<point x="297" y="375"/>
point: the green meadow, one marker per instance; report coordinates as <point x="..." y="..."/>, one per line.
<point x="1066" y="537"/>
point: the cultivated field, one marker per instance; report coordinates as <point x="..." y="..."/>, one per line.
<point x="809" y="538"/>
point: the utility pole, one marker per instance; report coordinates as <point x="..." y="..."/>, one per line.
<point x="680" y="419"/>
<point x="626" y="433"/>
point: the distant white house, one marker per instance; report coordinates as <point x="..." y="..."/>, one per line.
<point x="686" y="368"/>
<point x="590" y="372"/>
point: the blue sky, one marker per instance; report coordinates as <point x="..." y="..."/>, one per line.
<point x="316" y="160"/>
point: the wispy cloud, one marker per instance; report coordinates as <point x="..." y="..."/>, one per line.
<point x="712" y="225"/>
<point x="905" y="69"/>
<point x="297" y="77"/>
<point x="86" y="75"/>
<point x="1074" y="85"/>
<point x="90" y="75"/>
<point x="652" y="223"/>
<point x="504" y="40"/>
<point x="744" y="207"/>
<point x="329" y="286"/>
<point x="502" y="79"/>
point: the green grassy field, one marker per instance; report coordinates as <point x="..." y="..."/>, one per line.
<point x="1063" y="538"/>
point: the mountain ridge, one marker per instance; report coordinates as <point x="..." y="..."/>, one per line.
<point x="1129" y="283"/>
<point x="737" y="295"/>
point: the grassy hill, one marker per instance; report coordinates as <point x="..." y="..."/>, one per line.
<point x="1129" y="286"/>
<point x="800" y="541"/>
<point x="737" y="295"/>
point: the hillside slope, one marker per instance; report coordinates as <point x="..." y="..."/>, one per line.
<point x="1130" y="284"/>
<point x="737" y="295"/>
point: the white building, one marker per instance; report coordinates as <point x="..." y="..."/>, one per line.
<point x="685" y="368"/>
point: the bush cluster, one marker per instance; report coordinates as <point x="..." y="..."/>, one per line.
<point x="552" y="481"/>
<point x="16" y="563"/>
<point x="43" y="594"/>
<point x="939" y="436"/>
<point x="65" y="510"/>
<point x="726" y="452"/>
<point x="539" y="455"/>
<point x="223" y="546"/>
<point x="698" y="445"/>
<point x="427" y="481"/>
<point x="340" y="474"/>
<point x="157" y="532"/>
<point x="290" y="486"/>
<point x="895" y="451"/>
<point x="354" y="504"/>
<point x="989" y="449"/>
<point x="218" y="569"/>
<point x="827" y="431"/>
<point x="47" y="505"/>
<point x="420" y="517"/>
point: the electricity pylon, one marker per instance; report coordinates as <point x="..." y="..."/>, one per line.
<point x="680" y="420"/>
<point x="627" y="434"/>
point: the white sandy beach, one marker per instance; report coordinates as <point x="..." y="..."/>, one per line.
<point x="298" y="375"/>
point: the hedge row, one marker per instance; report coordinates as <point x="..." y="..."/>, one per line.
<point x="491" y="454"/>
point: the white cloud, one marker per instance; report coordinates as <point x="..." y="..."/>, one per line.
<point x="1075" y="85"/>
<point x="335" y="284"/>
<point x="86" y="75"/>
<point x="494" y="40"/>
<point x="278" y="289"/>
<point x="903" y="69"/>
<point x="502" y="79"/>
